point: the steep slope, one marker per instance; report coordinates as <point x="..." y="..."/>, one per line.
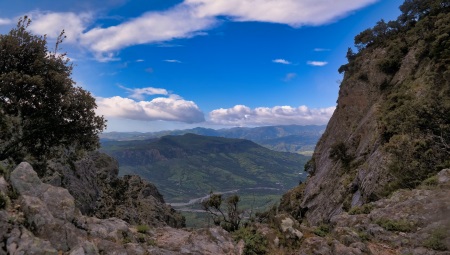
<point x="99" y="192"/>
<point x="391" y="127"/>
<point x="190" y="166"/>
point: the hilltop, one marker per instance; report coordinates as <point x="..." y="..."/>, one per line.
<point x="190" y="166"/>
<point x="289" y="138"/>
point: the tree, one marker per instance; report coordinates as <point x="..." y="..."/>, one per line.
<point x="230" y="221"/>
<point x="42" y="113"/>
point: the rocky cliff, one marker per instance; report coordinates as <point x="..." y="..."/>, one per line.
<point x="39" y="218"/>
<point x="391" y="126"/>
<point x="98" y="191"/>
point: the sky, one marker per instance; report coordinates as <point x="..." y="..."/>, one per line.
<point x="175" y="64"/>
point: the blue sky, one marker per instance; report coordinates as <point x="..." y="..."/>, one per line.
<point x="174" y="64"/>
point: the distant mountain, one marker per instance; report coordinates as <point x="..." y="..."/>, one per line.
<point x="292" y="138"/>
<point x="190" y="166"/>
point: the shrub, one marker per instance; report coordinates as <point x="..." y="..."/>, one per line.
<point x="322" y="230"/>
<point x="255" y="242"/>
<point x="431" y="181"/>
<point x="364" y="209"/>
<point x="435" y="240"/>
<point x="396" y="225"/>
<point x="142" y="229"/>
<point x="339" y="152"/>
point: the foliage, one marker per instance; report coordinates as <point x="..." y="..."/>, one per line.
<point x="255" y="243"/>
<point x="291" y="202"/>
<point x="4" y="201"/>
<point x="142" y="228"/>
<point x="431" y="181"/>
<point x="364" y="209"/>
<point x="42" y="113"/>
<point x="232" y="219"/>
<point x="322" y="230"/>
<point x="396" y="225"/>
<point x="339" y="152"/>
<point x="435" y="240"/>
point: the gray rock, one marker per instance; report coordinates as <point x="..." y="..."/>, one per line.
<point x="444" y="176"/>
<point x="22" y="241"/>
<point x="99" y="192"/>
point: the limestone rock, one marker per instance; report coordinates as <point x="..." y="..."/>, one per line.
<point x="98" y="191"/>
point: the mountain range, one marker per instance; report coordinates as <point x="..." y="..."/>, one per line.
<point x="190" y="166"/>
<point x="289" y="138"/>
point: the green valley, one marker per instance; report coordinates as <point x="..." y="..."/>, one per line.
<point x="189" y="167"/>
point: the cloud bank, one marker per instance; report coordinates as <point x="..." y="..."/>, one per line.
<point x="241" y="115"/>
<point x="172" y="108"/>
<point x="187" y="19"/>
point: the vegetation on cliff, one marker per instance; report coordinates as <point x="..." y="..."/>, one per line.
<point x="43" y="114"/>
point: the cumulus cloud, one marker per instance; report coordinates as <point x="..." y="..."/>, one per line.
<point x="241" y="115"/>
<point x="172" y="108"/>
<point x="151" y="27"/>
<point x="281" y="61"/>
<point x="52" y="23"/>
<point x="140" y="93"/>
<point x="292" y="12"/>
<point x="317" y="63"/>
<point x="5" y="21"/>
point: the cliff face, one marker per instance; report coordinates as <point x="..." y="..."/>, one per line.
<point x="98" y="191"/>
<point x="391" y="126"/>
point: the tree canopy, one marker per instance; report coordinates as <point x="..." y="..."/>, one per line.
<point x="42" y="113"/>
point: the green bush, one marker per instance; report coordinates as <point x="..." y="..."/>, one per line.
<point x="255" y="242"/>
<point x="142" y="229"/>
<point x="396" y="225"/>
<point x="322" y="230"/>
<point x="364" y="209"/>
<point x="431" y="181"/>
<point x="435" y="240"/>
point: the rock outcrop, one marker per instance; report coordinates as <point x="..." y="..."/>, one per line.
<point x="43" y="219"/>
<point x="390" y="129"/>
<point x="98" y="191"/>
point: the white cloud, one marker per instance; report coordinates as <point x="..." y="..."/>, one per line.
<point x="140" y="60"/>
<point x="281" y="61"/>
<point x="289" y="76"/>
<point x="317" y="63"/>
<point x="241" y="115"/>
<point x="321" y="49"/>
<point x="140" y="93"/>
<point x="172" y="61"/>
<point x="151" y="27"/>
<point x="295" y="13"/>
<point x="188" y="19"/>
<point x="5" y="21"/>
<point x="52" y="23"/>
<point x="173" y="108"/>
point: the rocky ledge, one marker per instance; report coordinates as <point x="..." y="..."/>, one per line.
<point x="39" y="218"/>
